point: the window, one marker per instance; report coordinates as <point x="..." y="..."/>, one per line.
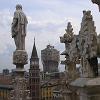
<point x="33" y="93"/>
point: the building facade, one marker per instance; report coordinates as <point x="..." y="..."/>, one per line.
<point x="5" y="86"/>
<point x="50" y="59"/>
<point x="46" y="91"/>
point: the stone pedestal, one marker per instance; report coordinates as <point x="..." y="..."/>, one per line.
<point x="20" y="91"/>
<point x="20" y="58"/>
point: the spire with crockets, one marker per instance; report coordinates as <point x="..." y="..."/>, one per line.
<point x="34" y="51"/>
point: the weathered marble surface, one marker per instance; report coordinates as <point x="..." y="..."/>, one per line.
<point x="20" y="57"/>
<point x="18" y="28"/>
<point x="88" y="86"/>
<point x="20" y="91"/>
<point x="88" y="46"/>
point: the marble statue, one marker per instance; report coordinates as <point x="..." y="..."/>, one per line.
<point x="20" y="56"/>
<point x="18" y="28"/>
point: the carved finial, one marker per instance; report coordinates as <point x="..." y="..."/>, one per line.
<point x="68" y="36"/>
<point x="69" y="29"/>
<point x="69" y="33"/>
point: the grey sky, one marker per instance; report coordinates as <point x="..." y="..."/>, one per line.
<point x="47" y="22"/>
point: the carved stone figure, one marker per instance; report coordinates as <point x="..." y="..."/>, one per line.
<point x="18" y="29"/>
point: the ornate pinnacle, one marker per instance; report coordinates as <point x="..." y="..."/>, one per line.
<point x="69" y="33"/>
<point x="68" y="36"/>
<point x="69" y="29"/>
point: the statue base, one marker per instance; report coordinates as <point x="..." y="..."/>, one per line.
<point x="20" y="57"/>
<point x="20" y="91"/>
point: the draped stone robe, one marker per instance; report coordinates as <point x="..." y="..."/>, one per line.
<point x="19" y="29"/>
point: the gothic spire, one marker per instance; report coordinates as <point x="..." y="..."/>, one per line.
<point x="34" y="51"/>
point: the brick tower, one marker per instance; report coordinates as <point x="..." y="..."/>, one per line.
<point x="34" y="75"/>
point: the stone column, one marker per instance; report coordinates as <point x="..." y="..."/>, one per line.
<point x="20" y="91"/>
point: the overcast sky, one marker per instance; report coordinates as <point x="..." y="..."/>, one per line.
<point x="47" y="22"/>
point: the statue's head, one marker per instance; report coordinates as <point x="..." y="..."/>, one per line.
<point x="18" y="7"/>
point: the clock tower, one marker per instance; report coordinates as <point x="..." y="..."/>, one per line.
<point x="34" y="75"/>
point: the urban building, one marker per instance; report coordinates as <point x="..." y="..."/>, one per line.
<point x="50" y="59"/>
<point x="46" y="91"/>
<point x="52" y="86"/>
<point x="5" y="86"/>
<point x="51" y="90"/>
<point x="5" y="71"/>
